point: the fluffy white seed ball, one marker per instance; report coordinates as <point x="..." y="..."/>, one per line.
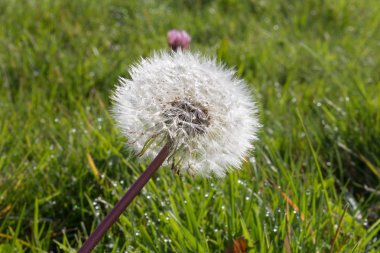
<point x="191" y="101"/>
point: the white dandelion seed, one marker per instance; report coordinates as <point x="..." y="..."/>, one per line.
<point x="196" y="104"/>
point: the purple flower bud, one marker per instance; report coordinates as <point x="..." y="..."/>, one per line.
<point x="178" y="39"/>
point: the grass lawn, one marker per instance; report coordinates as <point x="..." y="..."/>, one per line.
<point x="311" y="185"/>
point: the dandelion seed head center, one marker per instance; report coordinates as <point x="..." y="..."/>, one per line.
<point x="188" y="115"/>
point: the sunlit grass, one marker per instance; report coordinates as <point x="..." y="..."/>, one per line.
<point x="63" y="164"/>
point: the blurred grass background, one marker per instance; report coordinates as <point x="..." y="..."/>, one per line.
<point x="315" y="68"/>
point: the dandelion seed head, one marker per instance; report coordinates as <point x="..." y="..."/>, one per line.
<point x="191" y="101"/>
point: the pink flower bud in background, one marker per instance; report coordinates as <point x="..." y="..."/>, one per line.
<point x="178" y="39"/>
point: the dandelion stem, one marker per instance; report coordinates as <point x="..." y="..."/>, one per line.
<point x="120" y="206"/>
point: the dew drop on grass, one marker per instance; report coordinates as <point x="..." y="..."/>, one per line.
<point x="301" y="135"/>
<point x="206" y="195"/>
<point x="56" y="120"/>
<point x="247" y="198"/>
<point x="73" y="130"/>
<point x="275" y="229"/>
<point x="273" y="168"/>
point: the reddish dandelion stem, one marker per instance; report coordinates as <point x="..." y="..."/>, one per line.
<point x="120" y="206"/>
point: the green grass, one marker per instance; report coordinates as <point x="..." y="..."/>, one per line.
<point x="315" y="68"/>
